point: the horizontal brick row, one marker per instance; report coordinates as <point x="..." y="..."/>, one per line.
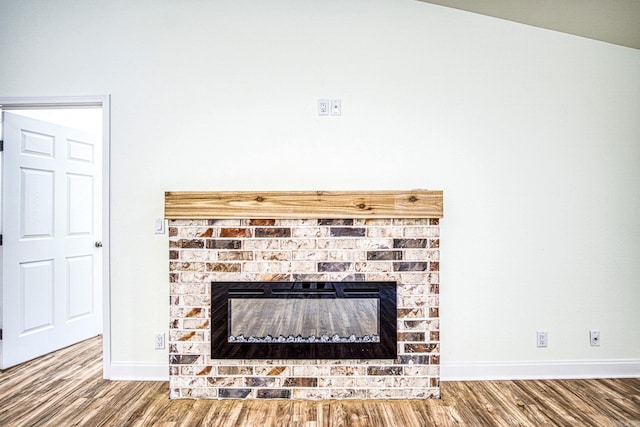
<point x="232" y="244"/>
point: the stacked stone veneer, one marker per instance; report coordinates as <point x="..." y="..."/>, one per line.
<point x="404" y="250"/>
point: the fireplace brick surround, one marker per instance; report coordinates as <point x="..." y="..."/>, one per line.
<point x="205" y="250"/>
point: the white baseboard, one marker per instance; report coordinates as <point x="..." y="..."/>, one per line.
<point x="133" y="371"/>
<point x="628" y="368"/>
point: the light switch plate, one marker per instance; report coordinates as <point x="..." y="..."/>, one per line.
<point x="159" y="225"/>
<point x="336" y="107"/>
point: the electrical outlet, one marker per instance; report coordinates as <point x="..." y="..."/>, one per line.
<point x="594" y="337"/>
<point x="323" y="107"/>
<point x="159" y="342"/>
<point x="541" y="338"/>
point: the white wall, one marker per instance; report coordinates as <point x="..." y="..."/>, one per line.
<point x="533" y="135"/>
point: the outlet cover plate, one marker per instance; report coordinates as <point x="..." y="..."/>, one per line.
<point x="541" y="339"/>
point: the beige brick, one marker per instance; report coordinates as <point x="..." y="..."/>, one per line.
<point x="337" y="382"/>
<point x="298" y="244"/>
<point x="273" y="256"/>
<point x="261" y="244"/>
<point x="310" y="255"/>
<point x="386" y="394"/>
<point x="309" y="232"/>
<point x="375" y="243"/>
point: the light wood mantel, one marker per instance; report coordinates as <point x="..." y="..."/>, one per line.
<point x="303" y="204"/>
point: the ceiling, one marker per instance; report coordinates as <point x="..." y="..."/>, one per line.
<point x="611" y="21"/>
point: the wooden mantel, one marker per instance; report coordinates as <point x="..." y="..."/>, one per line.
<point x="303" y="204"/>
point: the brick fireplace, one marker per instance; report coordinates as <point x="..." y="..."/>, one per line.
<point x="358" y="237"/>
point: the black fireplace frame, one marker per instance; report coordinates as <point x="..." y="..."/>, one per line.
<point x="384" y="291"/>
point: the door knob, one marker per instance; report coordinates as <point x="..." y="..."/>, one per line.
<point x="98" y="244"/>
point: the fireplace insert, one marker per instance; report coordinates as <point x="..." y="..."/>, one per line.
<point x="303" y="320"/>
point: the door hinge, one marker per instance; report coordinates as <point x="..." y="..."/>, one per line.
<point x="1" y="145"/>
<point x="0" y="334"/>
<point x="0" y="239"/>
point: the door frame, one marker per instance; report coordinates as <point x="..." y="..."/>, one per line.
<point x="103" y="101"/>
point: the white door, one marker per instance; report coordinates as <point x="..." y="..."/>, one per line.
<point x="51" y="226"/>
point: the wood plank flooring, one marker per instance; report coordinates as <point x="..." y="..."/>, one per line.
<point x="66" y="389"/>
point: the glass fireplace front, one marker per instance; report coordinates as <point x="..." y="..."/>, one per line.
<point x="303" y="320"/>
